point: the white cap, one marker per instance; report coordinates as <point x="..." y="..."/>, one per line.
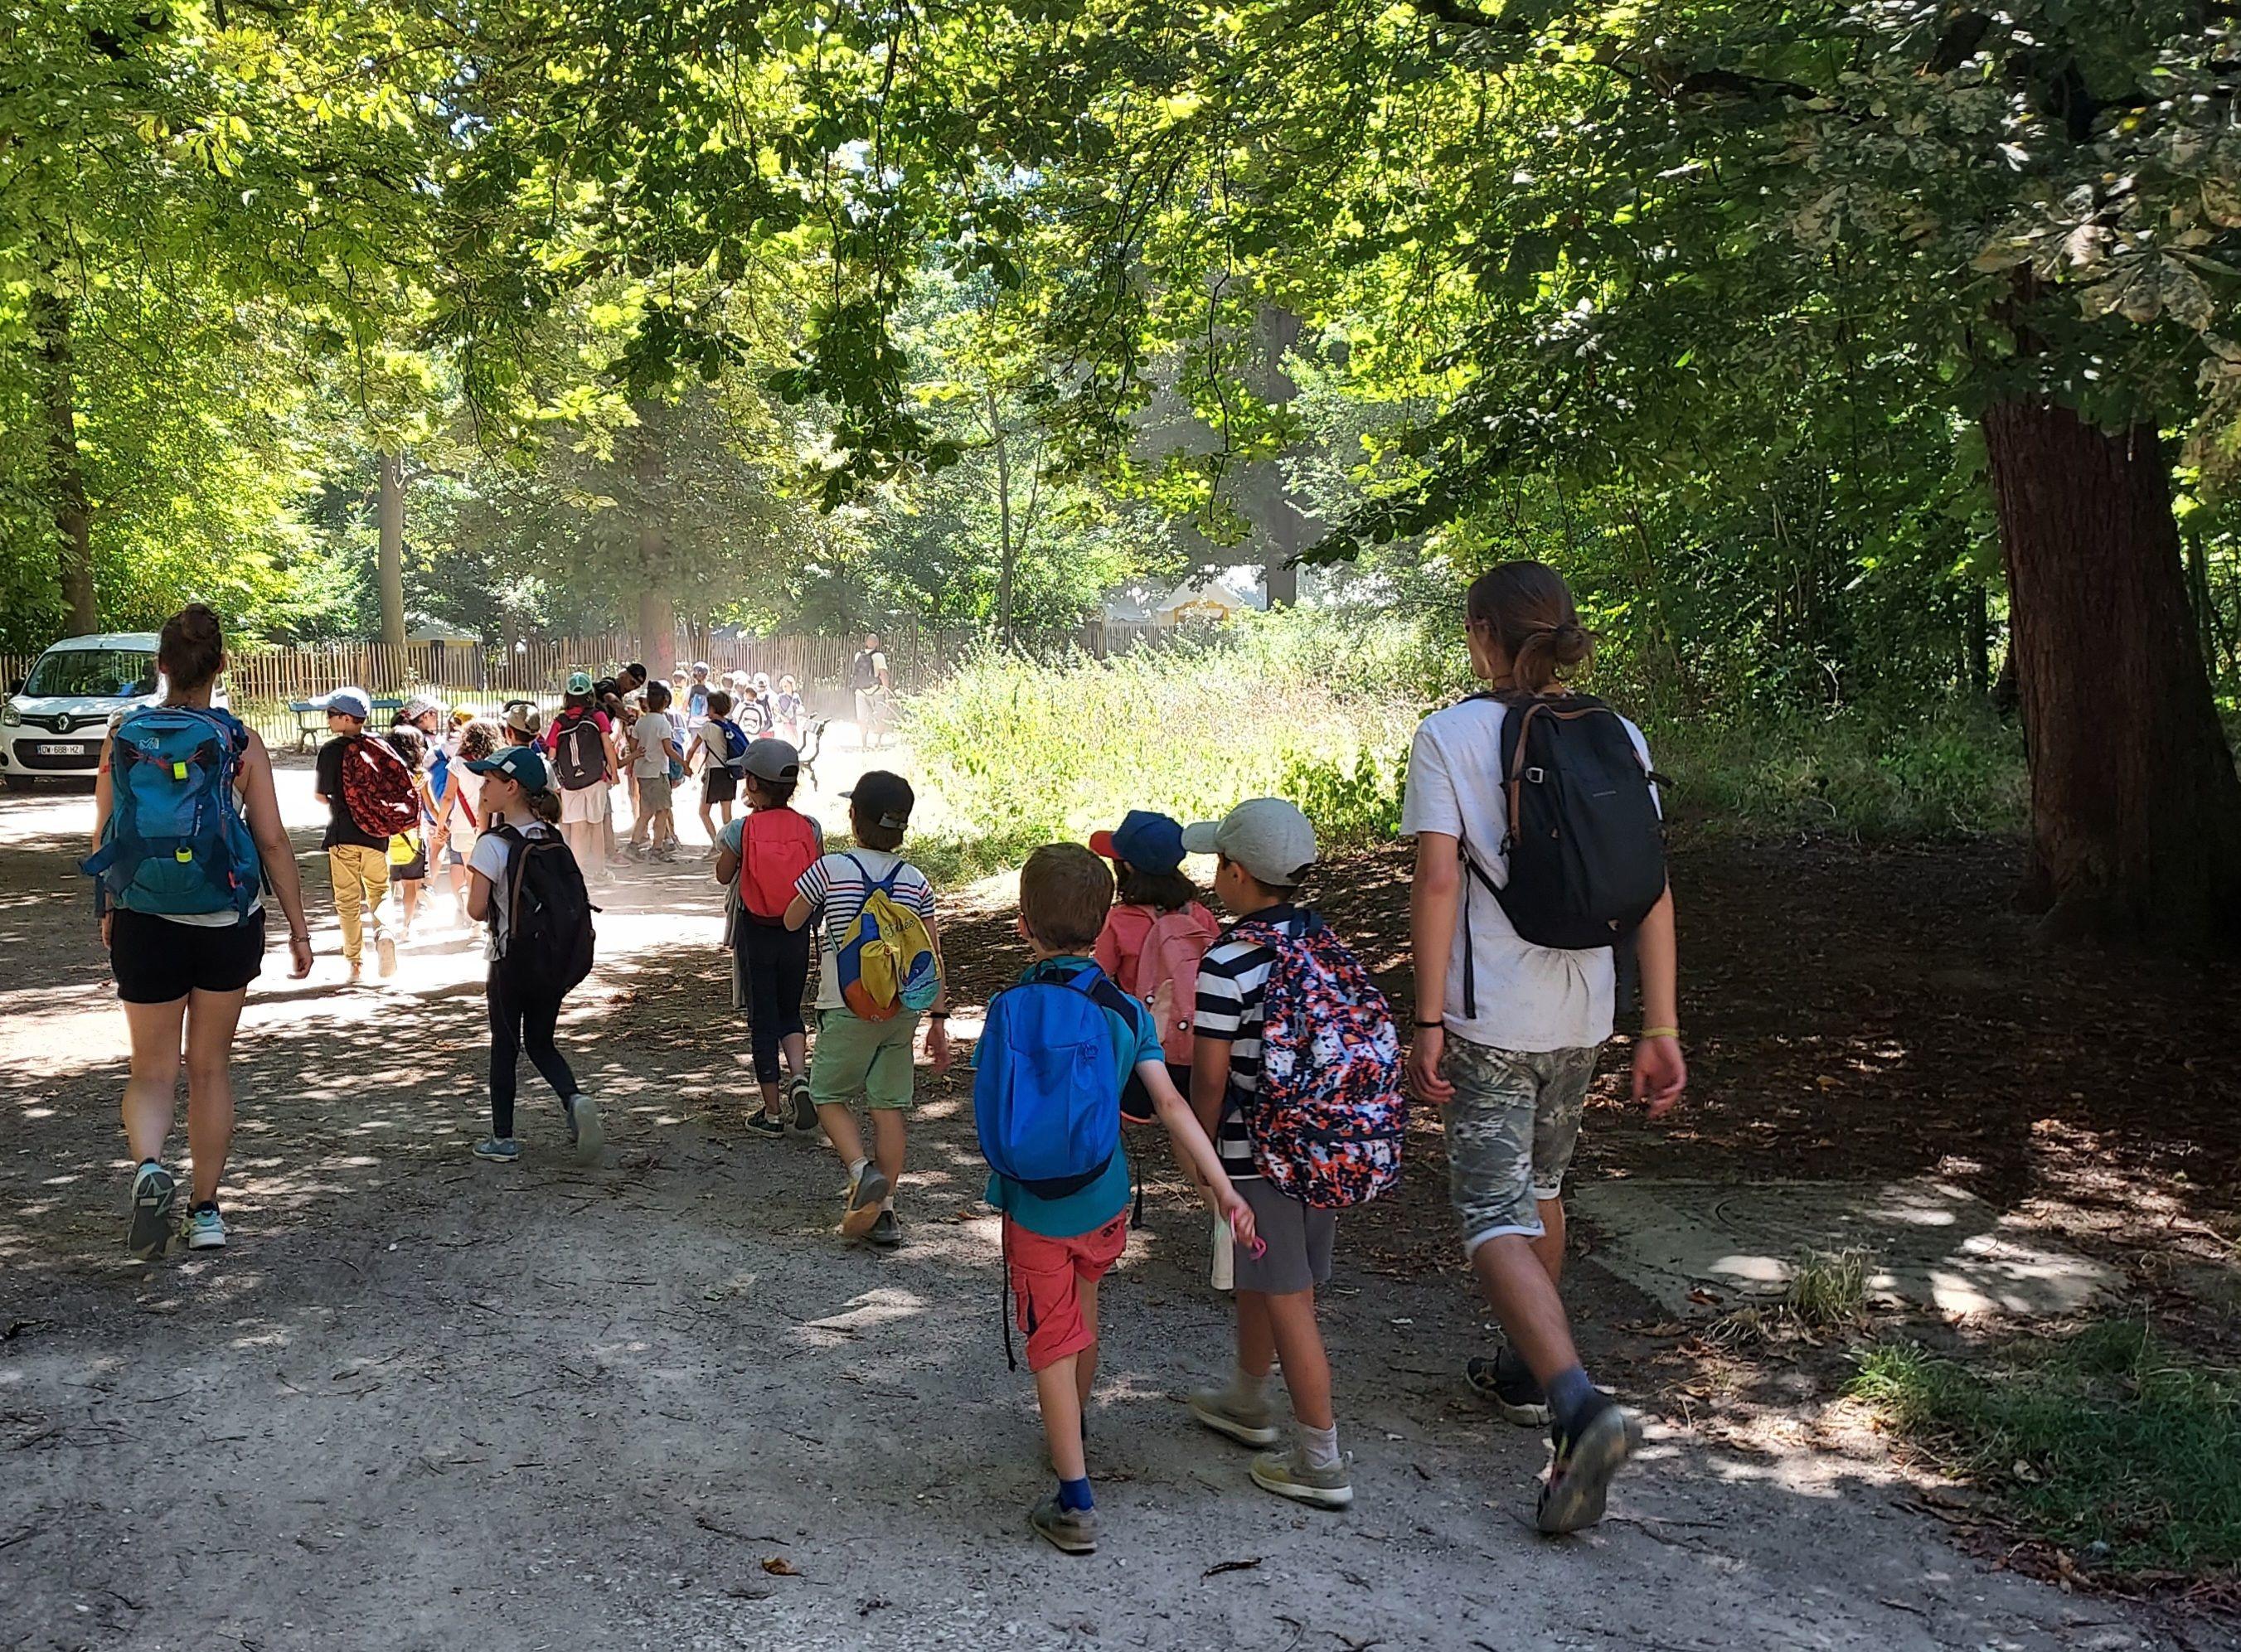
<point x="1267" y="836"/>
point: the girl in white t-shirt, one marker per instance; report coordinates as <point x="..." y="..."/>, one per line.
<point x="1508" y="1033"/>
<point x="459" y="812"/>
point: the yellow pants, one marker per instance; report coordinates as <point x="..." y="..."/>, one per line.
<point x="361" y="876"/>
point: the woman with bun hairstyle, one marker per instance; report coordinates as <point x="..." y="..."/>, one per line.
<point x="1507" y="1031"/>
<point x="187" y="842"/>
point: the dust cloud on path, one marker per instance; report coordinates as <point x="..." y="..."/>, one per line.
<point x="424" y="1402"/>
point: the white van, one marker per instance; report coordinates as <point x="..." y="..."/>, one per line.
<point x="52" y="722"/>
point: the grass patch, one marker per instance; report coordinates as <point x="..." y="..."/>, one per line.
<point x="2108" y="1442"/>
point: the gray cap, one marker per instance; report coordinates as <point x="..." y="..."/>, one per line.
<point x="1267" y="836"/>
<point x="772" y="760"/>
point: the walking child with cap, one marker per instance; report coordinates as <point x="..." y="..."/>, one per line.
<point x="759" y="859"/>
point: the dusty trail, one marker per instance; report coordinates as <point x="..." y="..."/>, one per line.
<point x="424" y="1402"/>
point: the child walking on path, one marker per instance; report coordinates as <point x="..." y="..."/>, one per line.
<point x="1067" y="1223"/>
<point x="585" y="761"/>
<point x="761" y="858"/>
<point x="711" y="753"/>
<point x="528" y="887"/>
<point x="654" y="747"/>
<point x="1507" y="1028"/>
<point x="881" y="968"/>
<point x="1262" y="848"/>
<point x="358" y="850"/>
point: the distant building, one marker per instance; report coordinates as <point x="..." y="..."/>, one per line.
<point x="1210" y="598"/>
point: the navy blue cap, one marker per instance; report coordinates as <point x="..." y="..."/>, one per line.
<point x="1147" y="841"/>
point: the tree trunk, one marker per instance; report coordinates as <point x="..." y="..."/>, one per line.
<point x="1285" y="525"/>
<point x="1980" y="641"/>
<point x="2135" y="810"/>
<point x="657" y="611"/>
<point x="1006" y="552"/>
<point x="390" y="519"/>
<point x="50" y="323"/>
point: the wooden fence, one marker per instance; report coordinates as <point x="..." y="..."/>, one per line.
<point x="264" y="682"/>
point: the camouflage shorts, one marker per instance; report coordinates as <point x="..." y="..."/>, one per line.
<point x="1512" y="1125"/>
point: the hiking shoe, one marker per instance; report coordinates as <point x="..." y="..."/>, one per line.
<point x="886" y="1233"/>
<point x="764" y="1124"/>
<point x="805" y="1109"/>
<point x="502" y="1149"/>
<point x="385" y="949"/>
<point x="1248" y="1425"/>
<point x="1072" y="1530"/>
<point x="1580" y="1474"/>
<point x="585" y="1130"/>
<point x="1505" y="1383"/>
<point x="206" y="1229"/>
<point x="865" y="1195"/>
<point x="153" y="1190"/>
<point x="1286" y="1474"/>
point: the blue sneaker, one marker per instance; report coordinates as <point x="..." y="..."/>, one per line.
<point x="205" y="1229"/>
<point x="502" y="1150"/>
<point x="153" y="1190"/>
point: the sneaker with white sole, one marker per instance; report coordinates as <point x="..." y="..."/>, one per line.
<point x="1504" y="1382"/>
<point x="865" y="1195"/>
<point x="585" y="1130"/>
<point x="205" y="1229"/>
<point x="498" y="1149"/>
<point x="1286" y="1474"/>
<point x="385" y="949"/>
<point x="1218" y="1409"/>
<point x="766" y="1124"/>
<point x="153" y="1191"/>
<point x="1073" y="1531"/>
<point x="805" y="1109"/>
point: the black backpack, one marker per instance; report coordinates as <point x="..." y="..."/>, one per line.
<point x="577" y="758"/>
<point x="548" y="918"/>
<point x="1586" y="845"/>
<point x="863" y="673"/>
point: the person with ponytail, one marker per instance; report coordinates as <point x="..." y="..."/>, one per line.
<point x="1509" y="1029"/>
<point x="187" y="841"/>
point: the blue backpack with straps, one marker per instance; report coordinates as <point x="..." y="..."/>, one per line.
<point x="1047" y="1095"/>
<point x="175" y="841"/>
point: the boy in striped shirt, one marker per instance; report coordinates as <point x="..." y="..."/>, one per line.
<point x="1261" y="849"/>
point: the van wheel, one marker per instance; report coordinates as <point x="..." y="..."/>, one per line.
<point x="19" y="782"/>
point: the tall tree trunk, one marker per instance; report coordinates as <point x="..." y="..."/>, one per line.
<point x="656" y="612"/>
<point x="1285" y="527"/>
<point x="2135" y="810"/>
<point x="1980" y="641"/>
<point x="50" y="326"/>
<point x="390" y="516"/>
<point x="1007" y="552"/>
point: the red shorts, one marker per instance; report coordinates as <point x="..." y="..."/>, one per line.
<point x="1046" y="1277"/>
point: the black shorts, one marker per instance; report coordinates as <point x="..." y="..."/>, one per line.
<point x="156" y="961"/>
<point x="718" y="786"/>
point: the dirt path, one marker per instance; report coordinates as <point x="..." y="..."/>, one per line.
<point x="424" y="1402"/>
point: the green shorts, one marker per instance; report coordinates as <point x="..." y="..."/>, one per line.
<point x="859" y="1060"/>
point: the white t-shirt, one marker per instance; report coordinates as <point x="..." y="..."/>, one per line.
<point x="835" y="886"/>
<point x="651" y="731"/>
<point x="1528" y="998"/>
<point x="492" y="854"/>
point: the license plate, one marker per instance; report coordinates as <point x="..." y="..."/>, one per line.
<point x="73" y="750"/>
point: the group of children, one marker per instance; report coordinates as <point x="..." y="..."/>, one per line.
<point x="1264" y="1051"/>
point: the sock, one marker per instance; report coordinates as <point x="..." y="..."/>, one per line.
<point x="1073" y="1495"/>
<point x="856" y="1170"/>
<point x="1319" y="1447"/>
<point x="144" y="1163"/>
<point x="210" y="1204"/>
<point x="1246" y="1391"/>
<point x="1572" y="1397"/>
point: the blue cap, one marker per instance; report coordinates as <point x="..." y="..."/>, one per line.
<point x="1147" y="841"/>
<point x="351" y="702"/>
<point x="519" y="764"/>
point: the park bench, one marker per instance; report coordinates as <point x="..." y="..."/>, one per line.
<point x="311" y="717"/>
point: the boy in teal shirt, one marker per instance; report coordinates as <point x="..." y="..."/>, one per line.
<point x="1057" y="1250"/>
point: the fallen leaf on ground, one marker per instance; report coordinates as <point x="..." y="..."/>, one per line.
<point x="779" y="1566"/>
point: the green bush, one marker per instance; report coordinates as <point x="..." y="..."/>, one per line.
<point x="1319" y="705"/>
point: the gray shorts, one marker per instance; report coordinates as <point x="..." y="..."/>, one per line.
<point x="652" y="793"/>
<point x="1512" y="1127"/>
<point x="1299" y="1240"/>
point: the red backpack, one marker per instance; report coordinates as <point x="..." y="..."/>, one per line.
<point x="776" y="847"/>
<point x="1167" y="977"/>
<point x="377" y="789"/>
<point x="1327" y="1122"/>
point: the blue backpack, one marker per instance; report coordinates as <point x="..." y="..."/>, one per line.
<point x="175" y="841"/>
<point x="735" y="744"/>
<point x="1047" y="1097"/>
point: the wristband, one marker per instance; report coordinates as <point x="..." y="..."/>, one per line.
<point x="1659" y="1032"/>
<point x="937" y="1016"/>
<point x="1441" y="1024"/>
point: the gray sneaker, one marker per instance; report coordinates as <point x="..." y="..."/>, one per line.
<point x="1248" y="1425"/>
<point x="584" y="1129"/>
<point x="1074" y="1530"/>
<point x="1580" y="1472"/>
<point x="499" y="1149"/>
<point x="865" y="1195"/>
<point x="1286" y="1474"/>
<point x="886" y="1233"/>
<point x="153" y="1190"/>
